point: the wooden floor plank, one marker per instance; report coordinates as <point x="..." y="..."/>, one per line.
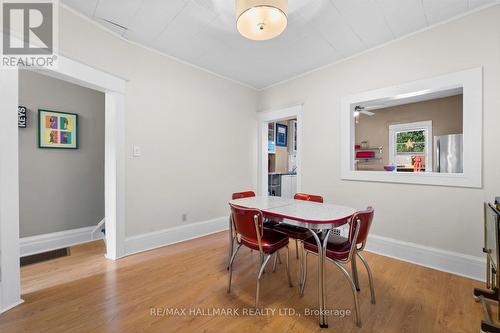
<point x="87" y="293"/>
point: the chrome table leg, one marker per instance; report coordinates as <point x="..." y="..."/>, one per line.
<point x="323" y="280"/>
<point x="304" y="274"/>
<point x="323" y="320"/>
<point x="301" y="264"/>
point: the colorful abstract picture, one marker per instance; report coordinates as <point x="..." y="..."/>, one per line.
<point x="57" y="129"/>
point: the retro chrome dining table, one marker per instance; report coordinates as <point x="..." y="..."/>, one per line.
<point x="311" y="215"/>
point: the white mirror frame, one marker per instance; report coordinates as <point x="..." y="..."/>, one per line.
<point x="472" y="83"/>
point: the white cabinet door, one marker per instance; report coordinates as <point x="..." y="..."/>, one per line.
<point x="288" y="186"/>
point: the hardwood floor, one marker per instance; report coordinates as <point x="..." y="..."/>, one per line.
<point x="87" y="293"/>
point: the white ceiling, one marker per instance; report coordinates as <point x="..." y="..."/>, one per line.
<point x="319" y="32"/>
<point x="414" y="97"/>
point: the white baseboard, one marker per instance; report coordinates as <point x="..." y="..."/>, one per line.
<point x="160" y="238"/>
<point x="447" y="261"/>
<point x="56" y="240"/>
<point x="10" y="306"/>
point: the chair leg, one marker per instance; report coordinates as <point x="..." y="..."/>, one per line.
<point x="296" y="249"/>
<point x="275" y="260"/>
<point x="231" y="243"/>
<point x="370" y="277"/>
<point x="304" y="274"/>
<point x="231" y="267"/>
<point x="354" y="292"/>
<point x="288" y="267"/>
<point x="261" y="270"/>
<point x="354" y="269"/>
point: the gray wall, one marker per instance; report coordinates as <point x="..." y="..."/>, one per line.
<point x="60" y="189"/>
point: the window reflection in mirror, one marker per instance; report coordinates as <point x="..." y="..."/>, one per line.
<point x="419" y="133"/>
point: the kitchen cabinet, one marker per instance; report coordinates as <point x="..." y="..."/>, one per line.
<point x="271" y="143"/>
<point x="288" y="186"/>
<point x="274" y="184"/>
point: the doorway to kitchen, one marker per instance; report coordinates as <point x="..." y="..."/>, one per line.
<point x="282" y="158"/>
<point x="279" y="152"/>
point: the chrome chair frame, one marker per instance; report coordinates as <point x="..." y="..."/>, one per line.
<point x="232" y="237"/>
<point x="354" y="281"/>
<point x="264" y="259"/>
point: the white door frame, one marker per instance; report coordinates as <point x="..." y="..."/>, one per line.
<point x="264" y="118"/>
<point x="83" y="75"/>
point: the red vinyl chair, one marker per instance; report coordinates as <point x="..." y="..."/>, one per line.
<point x="297" y="233"/>
<point x="235" y="196"/>
<point x="294" y="232"/>
<point x="249" y="226"/>
<point x="241" y="195"/>
<point x="308" y="197"/>
<point x="341" y="250"/>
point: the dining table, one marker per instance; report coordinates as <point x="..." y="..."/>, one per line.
<point x="319" y="218"/>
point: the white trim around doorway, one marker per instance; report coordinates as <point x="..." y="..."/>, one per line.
<point x="264" y="118"/>
<point x="75" y="72"/>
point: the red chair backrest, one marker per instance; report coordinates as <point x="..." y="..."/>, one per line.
<point x="241" y="195"/>
<point x="244" y="223"/>
<point x="365" y="219"/>
<point x="308" y="197"/>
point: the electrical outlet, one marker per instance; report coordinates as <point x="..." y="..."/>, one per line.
<point x="184" y="217"/>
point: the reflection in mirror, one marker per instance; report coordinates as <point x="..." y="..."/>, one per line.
<point x="420" y="132"/>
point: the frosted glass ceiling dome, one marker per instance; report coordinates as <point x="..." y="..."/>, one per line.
<point x="261" y="19"/>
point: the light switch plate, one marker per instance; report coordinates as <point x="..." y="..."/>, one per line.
<point x="137" y="151"/>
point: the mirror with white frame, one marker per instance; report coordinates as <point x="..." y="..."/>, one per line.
<point x="423" y="132"/>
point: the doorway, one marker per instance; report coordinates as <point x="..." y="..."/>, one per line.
<point x="62" y="198"/>
<point x="86" y="76"/>
<point x="279" y="171"/>
<point x="282" y="158"/>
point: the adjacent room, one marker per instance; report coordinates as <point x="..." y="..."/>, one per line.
<point x="250" y="165"/>
<point x="61" y="174"/>
<point x="423" y="136"/>
<point x="282" y="158"/>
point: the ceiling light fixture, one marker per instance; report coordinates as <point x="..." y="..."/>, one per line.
<point x="261" y="19"/>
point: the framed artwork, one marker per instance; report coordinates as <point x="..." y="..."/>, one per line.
<point x="57" y="129"/>
<point x="281" y="135"/>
